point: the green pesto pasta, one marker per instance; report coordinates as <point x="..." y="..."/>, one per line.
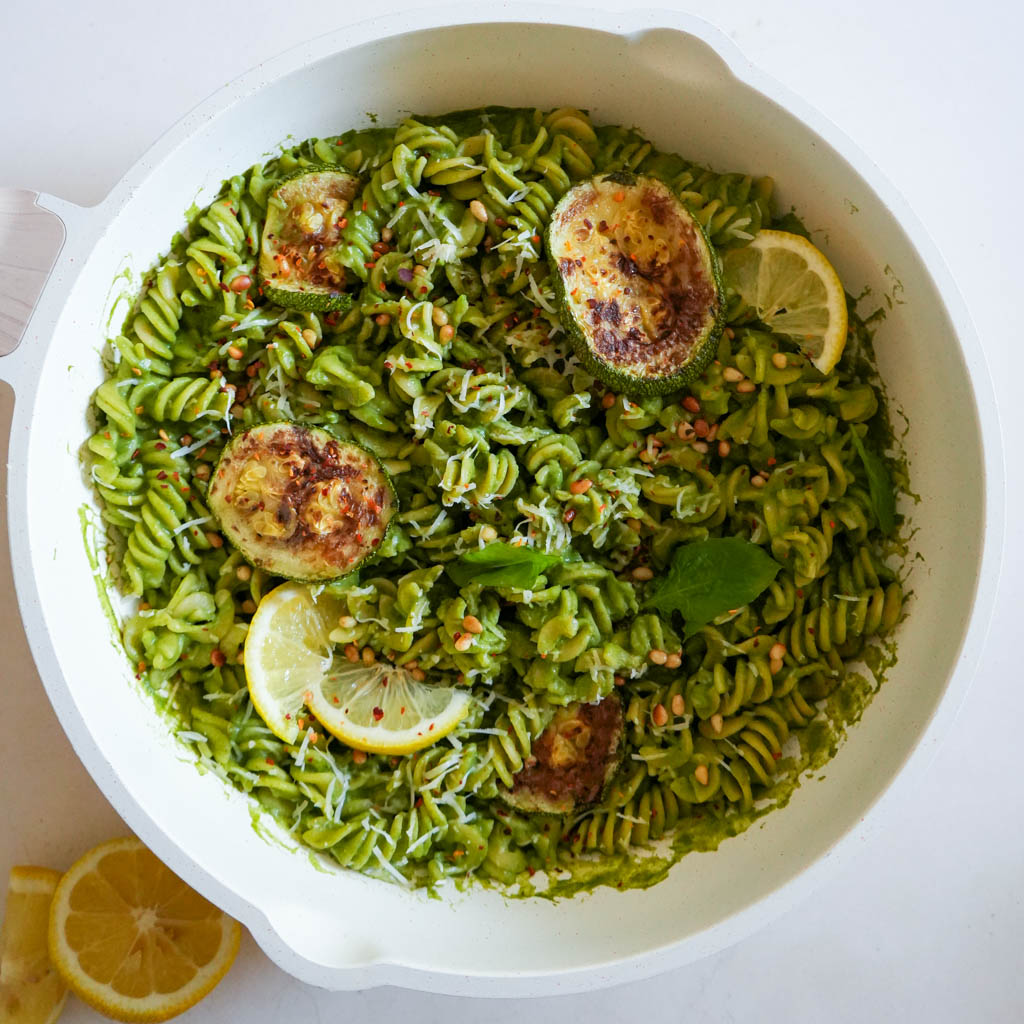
<point x="453" y="368"/>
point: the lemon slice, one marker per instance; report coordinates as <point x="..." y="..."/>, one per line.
<point x="31" y="991"/>
<point x="288" y="653"/>
<point x="794" y="290"/>
<point x="377" y="708"/>
<point x="134" y="941"/>
<point x="382" y="709"/>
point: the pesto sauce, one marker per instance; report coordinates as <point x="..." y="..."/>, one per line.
<point x="101" y="579"/>
<point x="709" y="825"/>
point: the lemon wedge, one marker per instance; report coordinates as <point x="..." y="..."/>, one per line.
<point x="794" y="290"/>
<point x="134" y="941"/>
<point x="31" y="991"/>
<point x="383" y="710"/>
<point x="378" y="708"/>
<point x="288" y="653"/>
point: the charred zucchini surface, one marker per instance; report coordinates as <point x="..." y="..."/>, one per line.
<point x="299" y="262"/>
<point x="638" y="283"/>
<point x="572" y="761"/>
<point x="301" y="504"/>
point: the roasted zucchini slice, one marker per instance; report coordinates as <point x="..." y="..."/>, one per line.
<point x="572" y="761"/>
<point x="300" y="266"/>
<point x="637" y="281"/>
<point x="301" y="504"/>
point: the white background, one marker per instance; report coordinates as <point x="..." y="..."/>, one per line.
<point x="926" y="923"/>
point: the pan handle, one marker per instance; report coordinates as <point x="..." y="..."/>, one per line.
<point x="31" y="239"/>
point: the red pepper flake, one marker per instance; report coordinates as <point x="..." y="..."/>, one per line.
<point x="364" y="206"/>
<point x="270" y="761"/>
<point x="832" y="524"/>
<point x="160" y="446"/>
<point x="378" y="714"/>
<point x="161" y="475"/>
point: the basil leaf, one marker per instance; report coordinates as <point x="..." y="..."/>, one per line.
<point x="501" y="565"/>
<point x="710" y="577"/>
<point x="883" y="497"/>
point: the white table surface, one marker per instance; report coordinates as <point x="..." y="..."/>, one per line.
<point x="926" y="923"/>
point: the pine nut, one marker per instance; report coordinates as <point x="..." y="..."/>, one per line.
<point x="678" y="704"/>
<point x="643" y="573"/>
<point x="658" y="656"/>
<point x="700" y="773"/>
<point x="478" y="210"/>
<point x="472" y="624"/>
<point x="580" y="486"/>
<point x="659" y="715"/>
<point x="779" y="361"/>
